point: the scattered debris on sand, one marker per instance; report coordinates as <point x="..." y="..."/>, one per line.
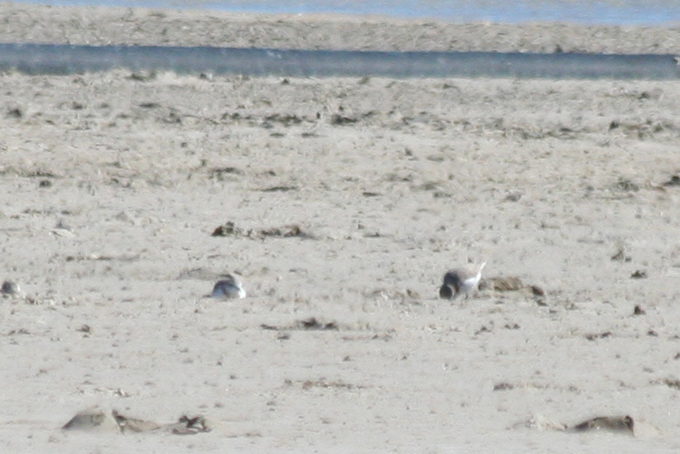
<point x="502" y="284"/>
<point x="621" y="255"/>
<point x="307" y="324"/>
<point x="602" y="335"/>
<point x="611" y="424"/>
<point x="510" y="284"/>
<point x="98" y="420"/>
<point x="606" y="423"/>
<point x="286" y="231"/>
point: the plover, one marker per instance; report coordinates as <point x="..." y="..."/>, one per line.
<point x="229" y="287"/>
<point x="459" y="281"/>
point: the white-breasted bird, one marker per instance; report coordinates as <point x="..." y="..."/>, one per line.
<point x="229" y="287"/>
<point x="460" y="281"/>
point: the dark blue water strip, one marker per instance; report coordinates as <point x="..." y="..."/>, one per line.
<point x="66" y="59"/>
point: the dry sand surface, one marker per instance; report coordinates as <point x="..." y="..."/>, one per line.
<point x="342" y="201"/>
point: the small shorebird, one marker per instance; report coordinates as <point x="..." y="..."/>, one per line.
<point x="459" y="281"/>
<point x="229" y="287"/>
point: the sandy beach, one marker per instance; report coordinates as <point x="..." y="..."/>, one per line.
<point x="341" y="202"/>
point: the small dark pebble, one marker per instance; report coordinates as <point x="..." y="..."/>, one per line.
<point x="313" y="324"/>
<point x="143" y="76"/>
<point x="592" y="337"/>
<point x="627" y="185"/>
<point x="671" y="383"/>
<point x="9" y="288"/>
<point x="639" y="310"/>
<point x="537" y="291"/>
<point x="220" y="172"/>
<point x="15" y="112"/>
<point x="85" y="329"/>
<point x="338" y="119"/>
<point x="483" y="329"/>
<point x="620" y="256"/>
<point x="280" y="189"/>
<point x="503" y="386"/>
<point x="674" y="181"/>
<point x="513" y="197"/>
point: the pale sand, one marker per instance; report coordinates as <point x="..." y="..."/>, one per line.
<point x="111" y="187"/>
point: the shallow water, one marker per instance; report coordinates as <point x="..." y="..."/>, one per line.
<point x="622" y="12"/>
<point x="66" y="59"/>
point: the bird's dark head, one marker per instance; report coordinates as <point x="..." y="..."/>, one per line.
<point x="446" y="292"/>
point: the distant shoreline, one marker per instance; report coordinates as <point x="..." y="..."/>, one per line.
<point x="152" y="27"/>
<point x="610" y="13"/>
